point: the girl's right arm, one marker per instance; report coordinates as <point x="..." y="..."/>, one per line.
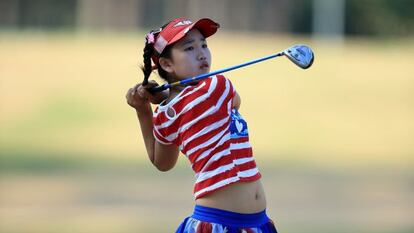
<point x="163" y="157"/>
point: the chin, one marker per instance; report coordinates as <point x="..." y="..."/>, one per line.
<point x="197" y="73"/>
<point x="203" y="71"/>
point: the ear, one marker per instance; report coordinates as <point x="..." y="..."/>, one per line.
<point x="166" y="64"/>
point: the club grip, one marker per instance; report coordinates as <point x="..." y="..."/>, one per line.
<point x="156" y="89"/>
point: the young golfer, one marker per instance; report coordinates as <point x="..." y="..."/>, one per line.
<point x="202" y="121"/>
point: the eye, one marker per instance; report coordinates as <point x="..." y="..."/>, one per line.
<point x="189" y="48"/>
<point x="204" y="46"/>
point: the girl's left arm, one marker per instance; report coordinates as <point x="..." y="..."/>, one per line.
<point x="236" y="100"/>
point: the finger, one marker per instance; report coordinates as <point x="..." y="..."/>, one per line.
<point x="143" y="93"/>
<point x="129" y="92"/>
<point x="137" y="86"/>
<point x="154" y="99"/>
<point x="135" y="89"/>
<point x="151" y="83"/>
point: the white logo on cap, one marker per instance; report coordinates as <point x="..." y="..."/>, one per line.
<point x="183" y="23"/>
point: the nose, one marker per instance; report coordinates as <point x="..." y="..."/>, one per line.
<point x="202" y="55"/>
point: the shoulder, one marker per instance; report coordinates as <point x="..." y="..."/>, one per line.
<point x="225" y="82"/>
<point x="220" y="80"/>
<point x="220" y="77"/>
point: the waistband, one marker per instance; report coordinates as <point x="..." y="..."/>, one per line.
<point x="228" y="218"/>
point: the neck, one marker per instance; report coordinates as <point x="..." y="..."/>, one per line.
<point x="177" y="88"/>
<point x="174" y="92"/>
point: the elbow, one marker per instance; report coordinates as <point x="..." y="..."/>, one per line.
<point x="160" y="165"/>
<point x="163" y="167"/>
<point x="165" y="157"/>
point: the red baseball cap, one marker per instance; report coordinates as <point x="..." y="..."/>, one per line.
<point x="178" y="28"/>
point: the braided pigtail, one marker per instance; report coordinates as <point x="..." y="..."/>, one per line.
<point x="147" y="68"/>
<point x="149" y="53"/>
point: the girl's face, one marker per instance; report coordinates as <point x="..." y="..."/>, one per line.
<point x="190" y="57"/>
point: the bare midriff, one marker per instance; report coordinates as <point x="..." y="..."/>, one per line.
<point x="240" y="197"/>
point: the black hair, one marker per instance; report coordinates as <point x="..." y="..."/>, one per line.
<point x="149" y="52"/>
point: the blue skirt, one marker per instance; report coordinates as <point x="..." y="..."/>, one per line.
<point x="211" y="220"/>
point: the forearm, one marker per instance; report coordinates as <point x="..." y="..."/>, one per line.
<point x="145" y="119"/>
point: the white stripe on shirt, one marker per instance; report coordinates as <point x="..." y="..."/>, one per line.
<point x="204" y="131"/>
<point x="206" y="175"/>
<point x="242" y="145"/>
<point x="248" y="173"/>
<point x="191" y="104"/>
<point x="209" y="141"/>
<point x="210" y="111"/>
<point x="207" y="152"/>
<point x="218" y="185"/>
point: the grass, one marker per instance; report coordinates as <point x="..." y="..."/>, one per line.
<point x="355" y="104"/>
<point x="334" y="143"/>
<point x="127" y="197"/>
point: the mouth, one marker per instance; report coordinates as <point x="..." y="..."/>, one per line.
<point x="205" y="66"/>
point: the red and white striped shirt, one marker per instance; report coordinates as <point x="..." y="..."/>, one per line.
<point x="213" y="136"/>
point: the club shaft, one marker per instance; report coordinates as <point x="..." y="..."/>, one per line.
<point x="202" y="76"/>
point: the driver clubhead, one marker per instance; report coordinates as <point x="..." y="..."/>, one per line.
<point x="301" y="55"/>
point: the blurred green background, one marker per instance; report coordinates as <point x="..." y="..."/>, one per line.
<point x="334" y="143"/>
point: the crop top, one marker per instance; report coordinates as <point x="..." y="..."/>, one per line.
<point x="200" y="120"/>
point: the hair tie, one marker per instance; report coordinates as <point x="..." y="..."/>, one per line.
<point x="150" y="38"/>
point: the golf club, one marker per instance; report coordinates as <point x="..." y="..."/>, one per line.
<point x="300" y="55"/>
